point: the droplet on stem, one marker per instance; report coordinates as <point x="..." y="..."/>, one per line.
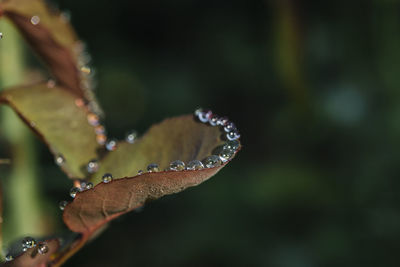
<point x="35" y="20"/>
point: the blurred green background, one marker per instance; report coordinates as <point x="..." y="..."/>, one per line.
<point x="314" y="90"/>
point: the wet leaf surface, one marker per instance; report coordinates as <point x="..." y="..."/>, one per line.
<point x="32" y="257"/>
<point x="52" y="38"/>
<point x="180" y="138"/>
<point x="177" y="138"/>
<point x="53" y="114"/>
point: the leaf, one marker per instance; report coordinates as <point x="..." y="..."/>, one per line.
<point x="32" y="258"/>
<point x="177" y="138"/>
<point x="63" y="126"/>
<point x="52" y="37"/>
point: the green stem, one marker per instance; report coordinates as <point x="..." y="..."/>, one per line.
<point x="22" y="198"/>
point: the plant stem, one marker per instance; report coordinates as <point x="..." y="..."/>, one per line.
<point x="22" y="198"/>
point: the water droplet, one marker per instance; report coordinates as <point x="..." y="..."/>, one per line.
<point x="79" y="102"/>
<point x="32" y="124"/>
<point x="59" y="160"/>
<point x="89" y="185"/>
<point x="212" y="161"/>
<point x="74" y="191"/>
<point x="152" y="167"/>
<point x="107" y="178"/>
<point x="9" y="257"/>
<point x="51" y="83"/>
<point x="214" y="120"/>
<point x="43" y="248"/>
<point x="92" y="166"/>
<point x="85" y="69"/>
<point x="101" y="139"/>
<point x="230" y="126"/>
<point x="232" y="145"/>
<point x="99" y="129"/>
<point x="1" y="35"/>
<point x="111" y="145"/>
<point x="222" y="121"/>
<point x="93" y="119"/>
<point x="35" y="20"/>
<point x="82" y="185"/>
<point x="233" y="135"/>
<point x="28" y="242"/>
<point x="140" y="172"/>
<point x="177" y="165"/>
<point x="131" y="137"/>
<point x="226" y="154"/>
<point x="62" y="204"/>
<point x="203" y="115"/>
<point x="195" y="165"/>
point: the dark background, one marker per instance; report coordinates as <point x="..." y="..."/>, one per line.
<point x="314" y="90"/>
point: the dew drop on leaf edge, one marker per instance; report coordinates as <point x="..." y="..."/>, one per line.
<point x="74" y="191"/>
<point x="195" y="165"/>
<point x="177" y="165"/>
<point x="212" y="161"/>
<point x="107" y="177"/>
<point x="152" y="167"/>
<point x="59" y="160"/>
<point x="9" y="257"/>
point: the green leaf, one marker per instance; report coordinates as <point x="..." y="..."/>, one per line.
<point x="53" y="114"/>
<point x="51" y="36"/>
<point x="180" y="138"/>
<point x="32" y="257"/>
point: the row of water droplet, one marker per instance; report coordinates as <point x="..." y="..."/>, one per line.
<point x="29" y="242"/>
<point x="226" y="152"/>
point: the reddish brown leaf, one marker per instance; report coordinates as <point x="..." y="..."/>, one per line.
<point x="180" y="138"/>
<point x="177" y="138"/>
<point x="54" y="115"/>
<point x="51" y="36"/>
<point x="32" y="258"/>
